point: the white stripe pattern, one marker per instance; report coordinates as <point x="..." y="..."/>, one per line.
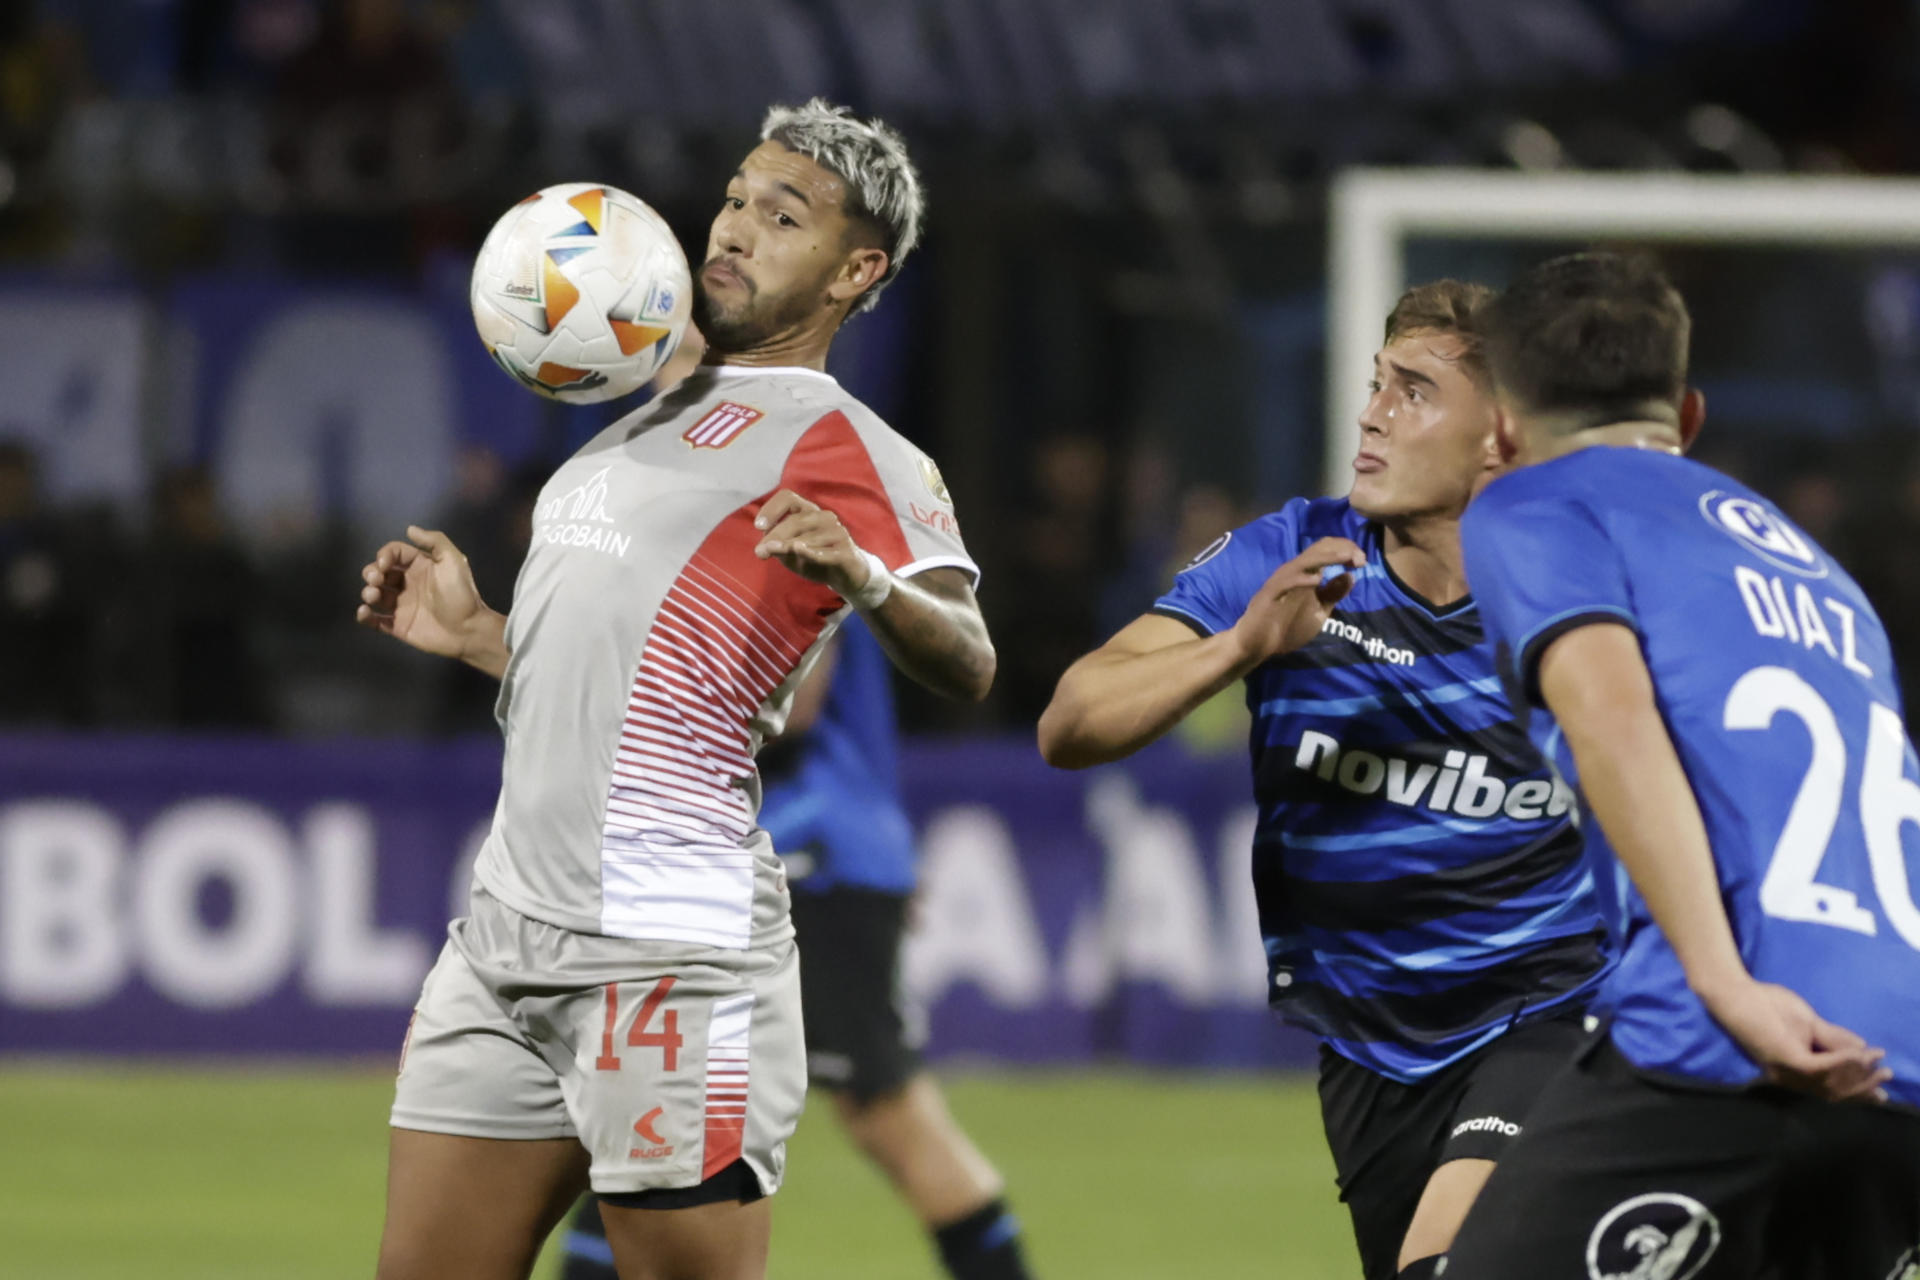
<point x="672" y="862"/>
<point x="727" y="1073"/>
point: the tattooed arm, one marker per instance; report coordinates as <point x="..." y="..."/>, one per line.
<point x="929" y="624"/>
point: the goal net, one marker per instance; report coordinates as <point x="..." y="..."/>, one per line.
<point x="1805" y="290"/>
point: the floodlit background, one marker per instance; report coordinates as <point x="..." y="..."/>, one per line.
<point x="235" y="356"/>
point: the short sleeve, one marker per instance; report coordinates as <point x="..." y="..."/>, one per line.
<point x="887" y="493"/>
<point x="1212" y="592"/>
<point x="924" y="511"/>
<point x="1540" y="565"/>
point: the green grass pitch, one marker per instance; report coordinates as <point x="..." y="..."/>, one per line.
<point x="185" y="1172"/>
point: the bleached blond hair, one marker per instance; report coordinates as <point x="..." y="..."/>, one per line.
<point x="869" y="156"/>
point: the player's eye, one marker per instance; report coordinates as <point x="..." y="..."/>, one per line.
<point x="785" y="220"/>
<point x="733" y="202"/>
<point x="1414" y="396"/>
<point x="1373" y="386"/>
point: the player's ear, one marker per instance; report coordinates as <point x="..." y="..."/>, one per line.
<point x="1506" y="436"/>
<point x="1491" y="458"/>
<point x="864" y="267"/>
<point x="1693" y="416"/>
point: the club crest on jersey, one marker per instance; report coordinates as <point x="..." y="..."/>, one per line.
<point x="723" y="423"/>
<point x="1757" y="528"/>
<point x="1660" y="1236"/>
<point x="936" y="485"/>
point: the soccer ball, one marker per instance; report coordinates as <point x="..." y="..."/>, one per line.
<point x="581" y="292"/>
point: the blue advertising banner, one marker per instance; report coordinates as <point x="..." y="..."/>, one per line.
<point x="163" y="895"/>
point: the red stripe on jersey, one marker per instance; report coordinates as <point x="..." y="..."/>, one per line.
<point x="726" y="1129"/>
<point x="831" y="466"/>
<point x="728" y="632"/>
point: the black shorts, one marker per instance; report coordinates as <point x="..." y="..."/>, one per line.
<point x="588" y="1256"/>
<point x="860" y="1040"/>
<point x="1624" y="1175"/>
<point x="1387" y="1138"/>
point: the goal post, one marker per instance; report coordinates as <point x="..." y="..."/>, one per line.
<point x="1372" y="213"/>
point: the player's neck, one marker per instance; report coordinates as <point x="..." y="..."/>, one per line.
<point x="1548" y="440"/>
<point x="1424" y="555"/>
<point x="802" y="348"/>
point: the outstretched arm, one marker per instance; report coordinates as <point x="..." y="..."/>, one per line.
<point x="422" y="592"/>
<point x="1150" y="676"/>
<point x="1595" y="681"/>
<point x="929" y="625"/>
<point x="1134" y="688"/>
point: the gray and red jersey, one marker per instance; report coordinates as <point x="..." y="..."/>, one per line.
<point x="653" y="653"/>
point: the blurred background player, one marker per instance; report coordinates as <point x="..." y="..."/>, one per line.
<point x="621" y="1007"/>
<point x="1722" y="695"/>
<point x="1419" y="881"/>
<point x="833" y="809"/>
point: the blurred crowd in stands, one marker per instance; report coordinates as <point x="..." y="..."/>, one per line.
<point x="176" y="622"/>
<point x="104" y="624"/>
<point x="1120" y="212"/>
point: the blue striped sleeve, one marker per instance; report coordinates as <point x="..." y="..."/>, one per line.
<point x="1212" y="592"/>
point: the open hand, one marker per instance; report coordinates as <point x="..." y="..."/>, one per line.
<point x="422" y="592"/>
<point x="811" y="541"/>
<point x="1291" y="606"/>
<point x="1795" y="1046"/>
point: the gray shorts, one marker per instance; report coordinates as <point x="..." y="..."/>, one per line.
<point x="668" y="1062"/>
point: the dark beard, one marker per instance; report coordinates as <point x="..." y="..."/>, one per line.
<point x="736" y="332"/>
<point x="752" y="324"/>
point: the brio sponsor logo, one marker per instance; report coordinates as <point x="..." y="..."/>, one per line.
<point x="1459" y="784"/>
<point x="933" y="518"/>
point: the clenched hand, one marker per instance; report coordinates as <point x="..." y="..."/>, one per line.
<point x="811" y="541"/>
<point x="1291" y="606"/>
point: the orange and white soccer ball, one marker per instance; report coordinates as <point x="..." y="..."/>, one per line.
<point x="581" y="292"/>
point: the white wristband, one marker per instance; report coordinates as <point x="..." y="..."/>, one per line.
<point x="878" y="587"/>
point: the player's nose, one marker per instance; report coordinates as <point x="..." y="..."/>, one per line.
<point x="729" y="234"/>
<point x="1374" y="416"/>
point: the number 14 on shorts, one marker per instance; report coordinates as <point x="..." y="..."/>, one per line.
<point x="667" y="1039"/>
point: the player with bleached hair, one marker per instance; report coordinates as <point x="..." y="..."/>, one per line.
<point x="621" y="1007"/>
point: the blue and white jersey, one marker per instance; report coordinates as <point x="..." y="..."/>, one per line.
<point x="1776" y="682"/>
<point x="832" y="796"/>
<point x="1419" y="879"/>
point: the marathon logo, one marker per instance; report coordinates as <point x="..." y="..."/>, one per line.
<point x="1459" y="784"/>
<point x="1373" y="646"/>
<point x="1487" y="1124"/>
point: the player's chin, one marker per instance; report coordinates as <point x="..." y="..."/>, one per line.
<point x="729" y="328"/>
<point x="1375" y="500"/>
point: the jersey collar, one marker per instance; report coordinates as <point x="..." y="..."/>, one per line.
<point x="759" y="370"/>
<point x="1432" y="610"/>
